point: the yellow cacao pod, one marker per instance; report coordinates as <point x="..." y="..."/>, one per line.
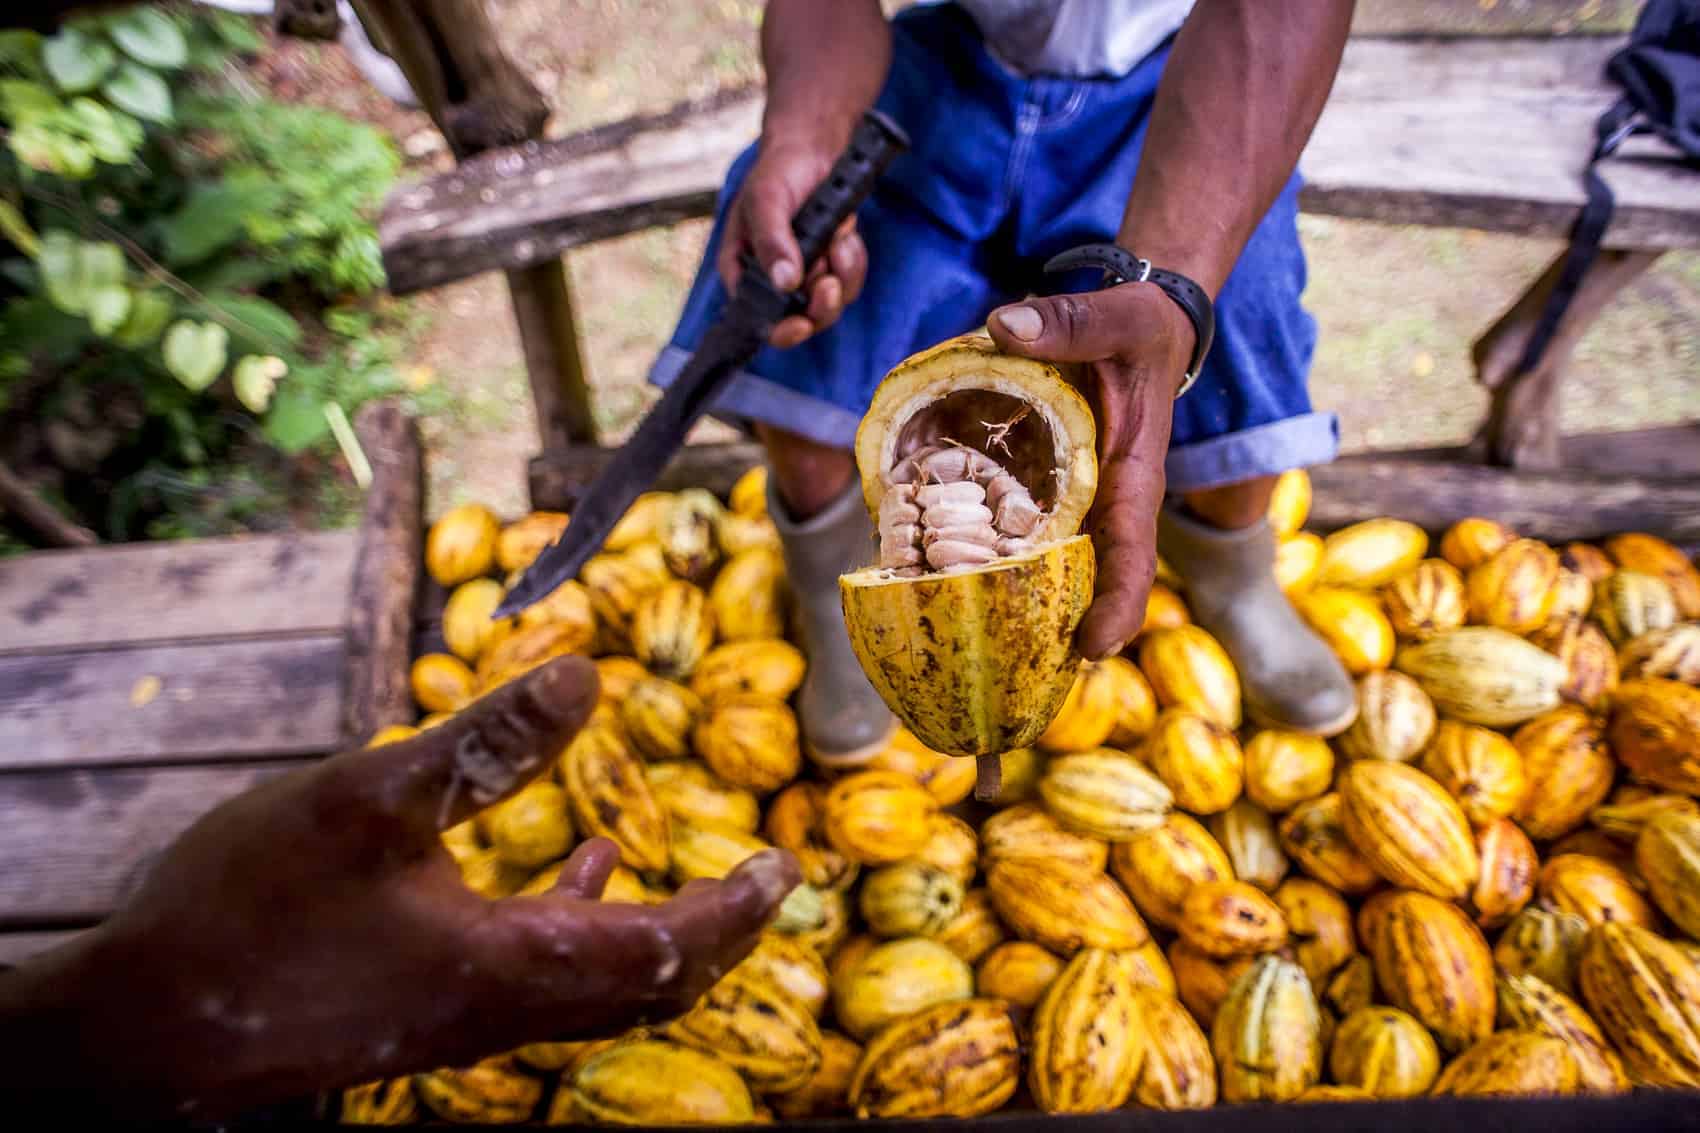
<point x="530" y="828"/>
<point x="485" y="873"/>
<point x="1320" y="927"/>
<point x="749" y="493"/>
<point x="461" y="544"/>
<point x="1479" y="768"/>
<point x="748" y="597"/>
<point x="1351" y="987"/>
<point x="1544" y="943"/>
<point x="1088" y="713"/>
<point x="1514" y="589"/>
<point x="951" y="846"/>
<point x="1645" y="994"/>
<point x="844" y="961"/>
<point x="1202" y="982"/>
<point x="1224" y="919"/>
<point x="1267" y="1036"/>
<point x="1197" y="759"/>
<point x="834" y="924"/>
<point x="1351" y="623"/>
<point x="618" y="676"/>
<point x="741" y="534"/>
<point x="468" y="628"/>
<point x="1135" y="704"/>
<point x="909" y="899"/>
<point x="1164" y="609"/>
<point x="642" y="521"/>
<point x="1298" y="560"/>
<point x="951" y="1060"/>
<point x="772" y="669"/>
<point x="1289" y="501"/>
<point x="1483" y="675"/>
<point x="827" y="1093"/>
<point x="649" y="556"/>
<point x="1527" y="1003"/>
<point x="521" y="541"/>
<point x="392" y="734"/>
<point x="385" y="1102"/>
<point x="975" y="930"/>
<point x="1384" y="1052"/>
<point x="1395" y="719"/>
<point x="878" y="817"/>
<point x="692" y="794"/>
<point x="611" y="799"/>
<point x="1511" y="1063"/>
<point x="1104" y="794"/>
<point x="567" y="605"/>
<point x="1022" y="769"/>
<point x="1368" y="554"/>
<point x="794" y="823"/>
<point x="1568" y="768"/>
<point x="493" y="1092"/>
<point x="1247" y="833"/>
<point x="897" y="979"/>
<point x="751" y="742"/>
<point x="1016" y="972"/>
<point x="672" y="629"/>
<point x="1471" y="542"/>
<point x="1160" y="866"/>
<point x="526" y="648"/>
<point x="1187" y="668"/>
<point x="709" y="852"/>
<point x="1509" y="866"/>
<point x="946" y="777"/>
<point x="1283" y="769"/>
<point x="1595" y="890"/>
<point x="1086" y="1043"/>
<point x="1586" y="559"/>
<point x="1648" y="554"/>
<point x="755" y="1028"/>
<point x="1064" y="909"/>
<point x="1631" y="807"/>
<point x="1655" y="732"/>
<point x="658" y="716"/>
<point x="1596" y="844"/>
<point x="1329" y="1095"/>
<point x="689" y="534"/>
<point x="1425" y="600"/>
<point x="783" y="962"/>
<point x="616" y="585"/>
<point x="1572" y="596"/>
<point x="442" y="683"/>
<point x="1177" y="1071"/>
<point x="1314" y="835"/>
<point x="1146" y="966"/>
<point x="1667" y="855"/>
<point x="1431" y="961"/>
<point x="1028" y="833"/>
<point x="1672" y="653"/>
<point x="648" y="1082"/>
<point x="1629" y="604"/>
<point x="1590" y="663"/>
<point x="1408" y="828"/>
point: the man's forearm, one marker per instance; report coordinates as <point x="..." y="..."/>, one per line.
<point x="826" y="61"/>
<point x="1241" y="93"/>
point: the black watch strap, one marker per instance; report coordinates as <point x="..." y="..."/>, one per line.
<point x="1121" y="266"/>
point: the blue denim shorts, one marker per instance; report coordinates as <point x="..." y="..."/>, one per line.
<point x="1006" y="171"/>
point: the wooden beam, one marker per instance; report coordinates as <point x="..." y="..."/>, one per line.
<point x="1494" y="17"/>
<point x="542" y="300"/>
<point x="375" y="689"/>
<point x="557" y="478"/>
<point x="39" y="519"/>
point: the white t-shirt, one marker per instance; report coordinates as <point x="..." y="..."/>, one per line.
<point x="1077" y="38"/>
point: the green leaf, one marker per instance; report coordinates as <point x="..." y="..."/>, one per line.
<point x="195" y="352"/>
<point x="149" y="312"/>
<point x="141" y="92"/>
<point x="237" y="32"/>
<point x="255" y="379"/>
<point x="15" y="228"/>
<point x="21" y="100"/>
<point x="72" y="270"/>
<point x="20" y="51"/>
<point x="210" y="219"/>
<point x="114" y="137"/>
<point x="108" y="307"/>
<point x="151" y="37"/>
<point x="77" y="62"/>
<point x="296" y="420"/>
<point x="47" y="150"/>
<point x="256" y="325"/>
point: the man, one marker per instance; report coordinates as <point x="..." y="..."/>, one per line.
<point x="1039" y="125"/>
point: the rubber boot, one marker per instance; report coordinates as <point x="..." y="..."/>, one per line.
<point x="844" y="721"/>
<point x="1289" y="677"/>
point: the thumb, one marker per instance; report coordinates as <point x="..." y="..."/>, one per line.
<point x="1066" y="328"/>
<point x="771" y="239"/>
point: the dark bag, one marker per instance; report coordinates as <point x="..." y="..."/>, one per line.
<point x="1659" y="70"/>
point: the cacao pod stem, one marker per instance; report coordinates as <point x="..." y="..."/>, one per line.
<point x="988" y="777"/>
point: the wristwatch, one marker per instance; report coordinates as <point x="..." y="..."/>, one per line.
<point x="1121" y="266"/>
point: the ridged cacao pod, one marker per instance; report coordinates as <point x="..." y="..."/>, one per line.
<point x="568" y="608"/>
<point x="525" y="649"/>
<point x="1320" y="926"/>
<point x="1177" y="1071"/>
<point x="946" y="777"/>
<point x="1267" y="1037"/>
<point x="878" y="817"/>
<point x="1648" y="554"/>
<point x="1327" y="1095"/>
<point x="896" y="979"/>
<point x="1147" y="967"/>
<point x="1514" y="590"/>
<point x="1063" y="909"/>
<point x="1509" y="866"/>
<point x="689" y="534"/>
<point x="975" y="929"/>
<point x="709" y="852"/>
<point x="909" y="899"/>
<point x="1314" y="835"/>
<point x="756" y="1028"/>
<point x="648" y="556"/>
<point x="751" y="742"/>
<point x="1595" y="890"/>
<point x="1479" y="768"/>
<point x="1351" y="623"/>
<point x="1187" y="668"/>
<point x="1368" y="554"/>
<point x="1572" y="596"/>
<point x="1672" y="653"/>
<point x="1088" y="712"/>
<point x="1645" y="994"/>
<point x="1588" y="560"/>
<point x="1425" y="600"/>
<point x="521" y="541"/>
<point x="1511" y="1063"/>
<point x="1247" y="834"/>
<point x="1431" y="961"/>
<point x="1104" y="794"/>
<point x="1164" y="609"/>
<point x="1629" y="604"/>
<point x="385" y="1102"/>
<point x="642" y="521"/>
<point x="1590" y="663"/>
<point x="743" y="533"/>
<point x="772" y="669"/>
<point x="531" y="827"/>
<point x="1283" y="769"/>
<point x="1473" y="541"/>
<point x="616" y="586"/>
<point x="461" y="544"/>
<point x="1352" y="986"/>
<point x="794" y="968"/>
<point x="952" y="1060"/>
<point x="1395" y="719"/>
<point x="658" y="716"/>
<point x="827" y="1093"/>
<point x="648" y="1082"/>
<point x="951" y="846"/>
<point x="1022" y="769"/>
<point x="749" y="493"/>
<point x="468" y="628"/>
<point x="1029" y="833"/>
<point x="1408" y="828"/>
<point x="618" y="676"/>
<point x="441" y="682"/>
<point x="611" y="798"/>
<point x="1568" y="768"/>
<point x="1527" y="1003"/>
<point x="1298" y="560"/>
<point x="1086" y="1041"/>
<point x="803" y="911"/>
<point x="493" y="1092"/>
<point x="692" y="794"/>
<point x="1201" y="982"/>
<point x="1655" y="731"/>
<point x="1198" y="760"/>
<point x="1289" y="501"/>
<point x="1224" y="919"/>
<point x="672" y="629"/>
<point x="1135" y="703"/>
<point x="1667" y="855"/>
<point x="1483" y="675"/>
<point x="1160" y="866"/>
<point x="748" y="597"/>
<point x="1017" y="972"/>
<point x="795" y="822"/>
<point x="1384" y="1052"/>
<point x="1631" y="807"/>
<point x="834" y="923"/>
<point x="1545" y="943"/>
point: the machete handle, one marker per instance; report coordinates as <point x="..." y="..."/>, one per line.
<point x="875" y="143"/>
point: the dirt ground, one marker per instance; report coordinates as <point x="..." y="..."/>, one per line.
<point x="1398" y="307"/>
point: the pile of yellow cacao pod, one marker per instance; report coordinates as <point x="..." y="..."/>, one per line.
<point x="1490" y="884"/>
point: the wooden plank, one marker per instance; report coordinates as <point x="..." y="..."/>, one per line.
<point x="1664" y="452"/>
<point x="171" y="703"/>
<point x="241" y="586"/>
<point x="1494" y="17"/>
<point x="16" y="947"/>
<point x="558" y="478"/>
<point x="75" y="841"/>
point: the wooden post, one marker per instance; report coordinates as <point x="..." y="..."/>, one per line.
<point x="480" y="100"/>
<point x="36" y="516"/>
